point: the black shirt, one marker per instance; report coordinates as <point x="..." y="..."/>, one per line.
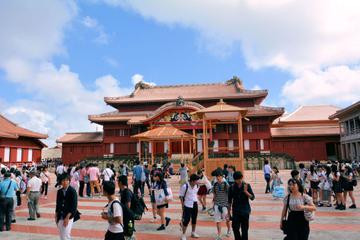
<point x="239" y="200"/>
<point x="125" y="196"/>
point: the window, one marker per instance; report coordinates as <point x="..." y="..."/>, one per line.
<point x="261" y="144"/>
<point x="7" y="154"/>
<point x="216" y="145"/>
<point x="231" y="145"/>
<point x="246" y="144"/>
<point x="249" y="128"/>
<point x="262" y="128"/>
<point x="19" y="155"/>
<point x="112" y="148"/>
<point x="30" y="155"/>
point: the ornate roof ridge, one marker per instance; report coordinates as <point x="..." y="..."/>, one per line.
<point x="84" y="132"/>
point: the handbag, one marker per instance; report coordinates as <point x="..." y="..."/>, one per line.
<point x="284" y="221"/>
<point x="2" y="197"/>
<point x="77" y="216"/>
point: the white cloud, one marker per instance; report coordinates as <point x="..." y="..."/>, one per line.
<point x="92" y="23"/>
<point x="306" y="38"/>
<point x="33" y="33"/>
<point x="256" y="87"/>
<point x="140" y="78"/>
<point x="334" y="85"/>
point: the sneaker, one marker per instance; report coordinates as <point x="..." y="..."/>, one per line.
<point x="162" y="227"/>
<point x="31" y="219"/>
<point x="38" y="215"/>
<point x="353" y="206"/>
<point x="13" y="221"/>
<point x="320" y="205"/>
<point x="194" y="235"/>
<point x="183" y="237"/>
<point x="167" y="221"/>
<point x="218" y="237"/>
<point x="203" y="209"/>
<point x="228" y="234"/>
<point x="153" y="220"/>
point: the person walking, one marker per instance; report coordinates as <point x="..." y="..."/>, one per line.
<point x="94" y="176"/>
<point x="113" y="213"/>
<point x="147" y="178"/>
<point x="239" y="195"/>
<point x="33" y="195"/>
<point x="267" y="175"/>
<point x="296" y="206"/>
<point x="188" y="198"/>
<point x="203" y="191"/>
<point x="66" y="207"/>
<point x="221" y="203"/>
<point x="183" y="172"/>
<point x="338" y="188"/>
<point x="82" y="174"/>
<point x="349" y="186"/>
<point x="75" y="179"/>
<point x="162" y="199"/>
<point x="138" y="172"/>
<point x="107" y="173"/>
<point x="8" y="188"/>
<point x="45" y="178"/>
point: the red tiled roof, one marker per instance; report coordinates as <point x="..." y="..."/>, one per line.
<point x="81" y="137"/>
<point x="310" y="113"/>
<point x="147" y="93"/>
<point x="260" y="111"/>
<point x="116" y="116"/>
<point x="348" y="110"/>
<point x="163" y="133"/>
<point x="305" y="131"/>
<point x="9" y="129"/>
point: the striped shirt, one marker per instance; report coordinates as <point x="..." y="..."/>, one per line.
<point x="221" y="194"/>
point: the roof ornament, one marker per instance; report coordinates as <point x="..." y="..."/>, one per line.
<point x="142" y="85"/>
<point x="180" y="101"/>
<point x="234" y="80"/>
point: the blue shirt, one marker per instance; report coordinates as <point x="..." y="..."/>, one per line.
<point x="4" y="186"/>
<point x="137" y="172"/>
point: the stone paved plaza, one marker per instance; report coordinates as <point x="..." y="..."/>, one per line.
<point x="264" y="223"/>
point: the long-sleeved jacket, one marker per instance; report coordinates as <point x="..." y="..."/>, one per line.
<point x="66" y="204"/>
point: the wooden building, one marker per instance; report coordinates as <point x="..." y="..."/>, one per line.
<point x="19" y="145"/>
<point x="307" y="134"/>
<point x="149" y="107"/>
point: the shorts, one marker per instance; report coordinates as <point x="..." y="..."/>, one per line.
<point x="163" y="206"/>
<point x="202" y="190"/>
<point x="190" y="213"/>
<point x="314" y="185"/>
<point x="220" y="213"/>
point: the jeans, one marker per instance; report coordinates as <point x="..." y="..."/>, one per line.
<point x="81" y="189"/>
<point x="33" y="204"/>
<point x="243" y="222"/>
<point x="267" y="179"/>
<point x="44" y="188"/>
<point x="6" y="211"/>
<point x="138" y="185"/>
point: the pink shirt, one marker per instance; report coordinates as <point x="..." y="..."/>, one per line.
<point x="94" y="173"/>
<point x="82" y="174"/>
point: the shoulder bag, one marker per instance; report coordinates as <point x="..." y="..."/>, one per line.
<point x="285" y="225"/>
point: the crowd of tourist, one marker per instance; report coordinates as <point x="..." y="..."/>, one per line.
<point x="320" y="185"/>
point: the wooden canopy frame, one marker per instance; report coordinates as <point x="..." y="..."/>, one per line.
<point x="221" y="113"/>
<point x="167" y="134"/>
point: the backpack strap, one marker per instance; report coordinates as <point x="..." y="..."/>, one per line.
<point x="8" y="188"/>
<point x="187" y="187"/>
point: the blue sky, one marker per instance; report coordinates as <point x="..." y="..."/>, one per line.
<point x="59" y="59"/>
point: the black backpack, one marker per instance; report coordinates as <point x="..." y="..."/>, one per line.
<point x="128" y="219"/>
<point x="137" y="205"/>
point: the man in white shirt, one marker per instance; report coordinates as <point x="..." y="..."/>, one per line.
<point x="188" y="197"/>
<point x="113" y="214"/>
<point x="107" y="173"/>
<point x="33" y="195"/>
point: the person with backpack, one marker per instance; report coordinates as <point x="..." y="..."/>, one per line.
<point x="221" y="203"/>
<point x="188" y="198"/>
<point x="162" y="197"/>
<point x="113" y="213"/>
<point x="66" y="207"/>
<point x="349" y="185"/>
<point x="239" y="194"/>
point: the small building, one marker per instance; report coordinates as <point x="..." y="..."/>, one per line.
<point x="307" y="134"/>
<point x="19" y="145"/>
<point x="349" y="120"/>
